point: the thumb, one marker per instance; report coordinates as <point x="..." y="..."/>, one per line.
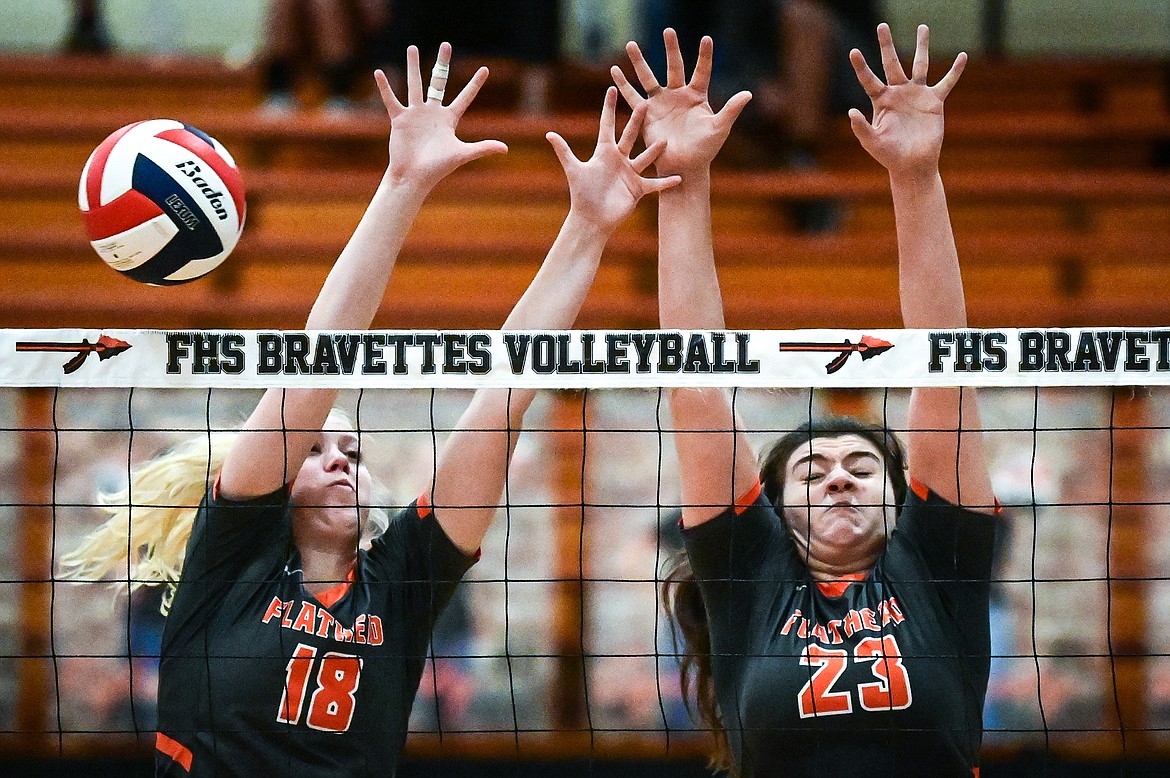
<point x="660" y="184"/>
<point x="483" y="148"/>
<point x="861" y="127"/>
<point x="734" y="107"/>
<point x="561" y="148"/>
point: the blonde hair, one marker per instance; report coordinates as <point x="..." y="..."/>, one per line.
<point x="149" y="522"/>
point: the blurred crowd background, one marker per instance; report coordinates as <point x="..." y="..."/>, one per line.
<point x="501" y="646"/>
<point x="558" y="626"/>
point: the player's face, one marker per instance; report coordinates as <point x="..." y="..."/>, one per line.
<point x="325" y="494"/>
<point x="839" y="502"/>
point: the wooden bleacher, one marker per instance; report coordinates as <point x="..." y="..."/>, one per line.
<point x="1056" y="175"/>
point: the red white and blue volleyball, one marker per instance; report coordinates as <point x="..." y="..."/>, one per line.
<point x="163" y="202"/>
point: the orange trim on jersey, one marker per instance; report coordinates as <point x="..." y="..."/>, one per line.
<point x="748" y="498"/>
<point x="330" y="596"/>
<point x="923" y="491"/>
<point x="174" y="749"/>
<point x="837" y="587"/>
<point x="423" y="507"/>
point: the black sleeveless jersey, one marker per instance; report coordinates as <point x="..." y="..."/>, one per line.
<point x="884" y="675"/>
<point x="259" y="677"/>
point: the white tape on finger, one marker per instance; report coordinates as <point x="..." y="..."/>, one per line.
<point x="438" y="76"/>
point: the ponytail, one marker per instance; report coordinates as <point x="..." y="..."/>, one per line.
<point x="683" y="602"/>
<point x="144" y="536"/>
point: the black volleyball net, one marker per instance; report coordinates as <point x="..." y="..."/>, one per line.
<point x="555" y="645"/>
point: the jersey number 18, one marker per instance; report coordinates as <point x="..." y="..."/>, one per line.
<point x="332" y="702"/>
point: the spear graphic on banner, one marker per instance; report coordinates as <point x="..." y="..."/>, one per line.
<point x="868" y="347"/>
<point x="105" y="347"/>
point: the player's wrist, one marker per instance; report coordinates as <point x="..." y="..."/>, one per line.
<point x="915" y="177"/>
<point x="589" y="224"/>
<point x="407" y="184"/>
<point x="696" y="182"/>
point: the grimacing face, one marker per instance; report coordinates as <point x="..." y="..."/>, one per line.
<point x="839" y="502"/>
<point x="327" y="489"/>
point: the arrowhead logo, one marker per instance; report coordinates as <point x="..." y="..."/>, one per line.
<point x="868" y="347"/>
<point x="105" y="347"/>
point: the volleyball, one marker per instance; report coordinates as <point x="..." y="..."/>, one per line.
<point x="162" y="202"/>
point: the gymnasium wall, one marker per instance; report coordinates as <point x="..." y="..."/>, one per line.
<point x="233" y="28"/>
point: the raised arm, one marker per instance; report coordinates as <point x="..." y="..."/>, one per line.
<point x="945" y="441"/>
<point x="603" y="191"/>
<point x="716" y="460"/>
<point x="423" y="151"/>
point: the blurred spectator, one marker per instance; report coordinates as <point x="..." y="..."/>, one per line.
<point x="1050" y="674"/>
<point x="816" y="38"/>
<point x="1005" y="639"/>
<point x="145" y="627"/>
<point x="793" y="55"/>
<point x="524" y="31"/>
<point x="1158" y="708"/>
<point x="332" y="36"/>
<point x="88" y="34"/>
<point x="448" y="689"/>
<point x="817" y="83"/>
<point x="691" y="19"/>
<point x="596" y="31"/>
<point x="1047" y="698"/>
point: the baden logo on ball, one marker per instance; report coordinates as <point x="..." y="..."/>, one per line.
<point x="163" y="202"/>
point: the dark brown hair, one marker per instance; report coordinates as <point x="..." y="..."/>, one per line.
<point x="683" y="600"/>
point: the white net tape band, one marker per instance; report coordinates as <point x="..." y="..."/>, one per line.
<point x="581" y="359"/>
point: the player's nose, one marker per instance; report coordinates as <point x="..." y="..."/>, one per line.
<point x="839" y="480"/>
<point x="336" y="460"/>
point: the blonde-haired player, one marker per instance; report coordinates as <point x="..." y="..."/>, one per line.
<point x="289" y="650"/>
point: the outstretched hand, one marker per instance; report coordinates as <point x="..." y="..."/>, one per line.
<point x="604" y="189"/>
<point x="423" y="146"/>
<point x="679" y="112"/>
<point x="906" y="132"/>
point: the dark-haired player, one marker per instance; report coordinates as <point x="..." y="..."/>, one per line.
<point x="826" y="635"/>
